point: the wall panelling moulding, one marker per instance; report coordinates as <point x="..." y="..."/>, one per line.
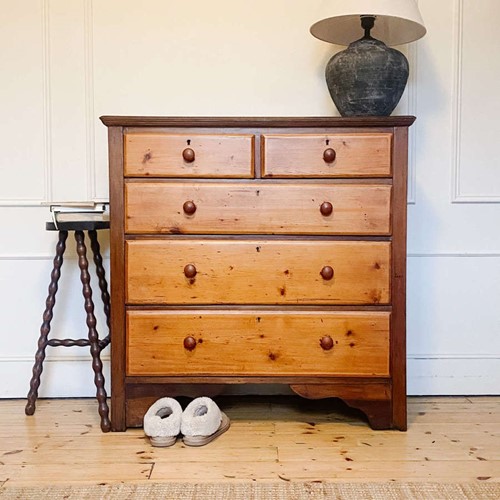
<point x="459" y="137"/>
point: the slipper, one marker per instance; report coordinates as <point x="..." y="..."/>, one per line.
<point x="162" y="422"/>
<point x="202" y="421"/>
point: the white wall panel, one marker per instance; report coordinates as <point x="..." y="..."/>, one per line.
<point x="64" y="63"/>
<point x="456" y="294"/>
<point x="24" y="162"/>
<point x="69" y="100"/>
<point x="23" y="232"/>
<point x="476" y="161"/>
<point x="24" y="305"/>
<point x="453" y="317"/>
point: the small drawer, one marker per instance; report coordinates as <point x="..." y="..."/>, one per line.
<point x="201" y="342"/>
<point x="239" y="208"/>
<point x="329" y="155"/>
<point x="188" y="155"/>
<point x="230" y="271"/>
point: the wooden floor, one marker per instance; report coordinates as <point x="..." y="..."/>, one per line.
<point x="270" y="439"/>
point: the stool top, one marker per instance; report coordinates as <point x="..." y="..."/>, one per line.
<point x="77" y="225"/>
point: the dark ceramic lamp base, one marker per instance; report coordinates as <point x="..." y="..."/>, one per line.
<point x="368" y="78"/>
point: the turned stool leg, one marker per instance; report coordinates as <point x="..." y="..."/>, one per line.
<point x="45" y="328"/>
<point x="103" y="285"/>
<point x="95" y="350"/>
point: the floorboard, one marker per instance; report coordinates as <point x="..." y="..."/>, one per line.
<point x="271" y="439"/>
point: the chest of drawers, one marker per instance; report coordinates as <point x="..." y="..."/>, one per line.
<point x="258" y="250"/>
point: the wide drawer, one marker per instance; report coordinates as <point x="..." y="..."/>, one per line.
<point x="327" y="155"/>
<point x="239" y="208"/>
<point x="230" y="271"/>
<point x="267" y="343"/>
<point x="188" y="155"/>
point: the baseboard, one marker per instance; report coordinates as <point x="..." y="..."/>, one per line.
<point x="437" y="375"/>
<point x="453" y="375"/>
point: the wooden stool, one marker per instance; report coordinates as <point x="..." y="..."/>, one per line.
<point x="96" y="345"/>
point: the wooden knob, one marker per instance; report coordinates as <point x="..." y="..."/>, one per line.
<point x="326" y="208"/>
<point x="189" y="343"/>
<point x="327" y="273"/>
<point x="326" y="342"/>
<point x="188" y="155"/>
<point x="329" y="155"/>
<point x="190" y="271"/>
<point x="189" y="207"/>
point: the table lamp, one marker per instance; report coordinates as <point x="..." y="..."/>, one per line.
<point x="368" y="78"/>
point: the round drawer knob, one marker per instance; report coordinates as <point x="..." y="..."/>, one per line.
<point x="326" y="342"/>
<point x="188" y="155"/>
<point x="326" y="208"/>
<point x="189" y="207"/>
<point x="190" y="271"/>
<point x="327" y="273"/>
<point x="329" y="155"/>
<point x="189" y="343"/>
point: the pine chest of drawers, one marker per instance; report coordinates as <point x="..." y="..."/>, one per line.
<point x="258" y="250"/>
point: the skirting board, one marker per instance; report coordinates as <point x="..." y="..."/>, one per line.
<point x="453" y="376"/>
<point x="437" y="376"/>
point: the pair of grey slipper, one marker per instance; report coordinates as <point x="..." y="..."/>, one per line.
<point x="200" y="423"/>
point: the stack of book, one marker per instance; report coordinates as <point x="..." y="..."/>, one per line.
<point x="79" y="212"/>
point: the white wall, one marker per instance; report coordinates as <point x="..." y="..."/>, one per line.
<point x="64" y="63"/>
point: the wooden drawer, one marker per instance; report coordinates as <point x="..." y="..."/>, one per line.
<point x="355" y="155"/>
<point x="230" y="271"/>
<point x="239" y="208"/>
<point x="162" y="155"/>
<point x="257" y="343"/>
